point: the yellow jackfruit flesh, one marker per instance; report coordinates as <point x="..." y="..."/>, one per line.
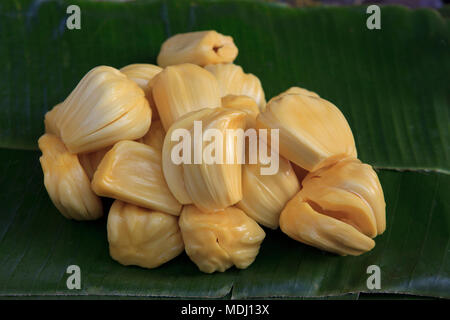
<point x="233" y="80"/>
<point x="354" y="178"/>
<point x="313" y="132"/>
<point x="213" y="183"/>
<point x="90" y="161"/>
<point x="104" y="108"/>
<point x="66" y="182"/>
<point x="173" y="173"/>
<point x="242" y="103"/>
<point x="131" y="172"/>
<point x="339" y="209"/>
<point x="151" y="101"/>
<point x="302" y="223"/>
<point x="201" y="48"/>
<point x="264" y="196"/>
<point x="183" y="88"/>
<point x="141" y="73"/>
<point x="216" y="241"/>
<point x="155" y="136"/>
<point x="216" y="186"/>
<point x="50" y="120"/>
<point x="139" y="236"/>
<point x="296" y="90"/>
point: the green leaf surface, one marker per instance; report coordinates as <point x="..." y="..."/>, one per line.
<point x="392" y="85"/>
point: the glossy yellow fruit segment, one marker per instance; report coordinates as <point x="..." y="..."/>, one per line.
<point x="90" y="161"/>
<point x="105" y="107"/>
<point x="296" y="90"/>
<point x="210" y="185"/>
<point x="50" y="123"/>
<point x="313" y="132"/>
<point x="243" y="103"/>
<point x="66" y="182"/>
<point x="264" y="196"/>
<point x="201" y="48"/>
<point x="131" y="172"/>
<point x="173" y="172"/>
<point x="142" y="237"/>
<point x="360" y="188"/>
<point x="302" y="223"/>
<point x="184" y="88"/>
<point x="217" y="186"/>
<point x="216" y="241"/>
<point x="339" y="209"/>
<point x="233" y="80"/>
<point x="155" y="136"/>
<point x="150" y="99"/>
<point x="141" y="74"/>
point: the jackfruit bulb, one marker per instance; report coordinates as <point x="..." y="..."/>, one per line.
<point x="233" y="80"/>
<point x="104" y="108"/>
<point x="214" y="182"/>
<point x="312" y="131"/>
<point x="242" y="103"/>
<point x="155" y="136"/>
<point x="142" y="237"/>
<point x="339" y="209"/>
<point x="66" y="182"/>
<point x="183" y="88"/>
<point x="131" y="172"/>
<point x="264" y="196"/>
<point x="296" y="90"/>
<point x="216" y="241"/>
<point x="200" y="47"/>
<point x="141" y="74"/>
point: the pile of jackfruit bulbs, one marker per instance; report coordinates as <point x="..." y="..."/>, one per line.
<point x="113" y="137"/>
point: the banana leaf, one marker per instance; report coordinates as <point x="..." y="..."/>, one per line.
<point x="391" y="84"/>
